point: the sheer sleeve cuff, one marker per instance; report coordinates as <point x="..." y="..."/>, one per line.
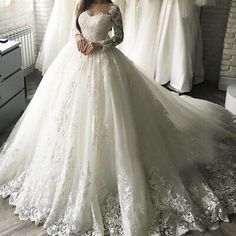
<point x="104" y="44"/>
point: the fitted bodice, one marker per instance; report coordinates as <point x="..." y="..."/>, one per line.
<point x="95" y="28"/>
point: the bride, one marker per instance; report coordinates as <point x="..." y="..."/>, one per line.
<point x="103" y="150"/>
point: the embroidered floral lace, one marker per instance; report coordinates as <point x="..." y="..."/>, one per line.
<point x="103" y="150"/>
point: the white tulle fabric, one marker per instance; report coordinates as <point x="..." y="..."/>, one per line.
<point x="145" y="45"/>
<point x="57" y="33"/>
<point x="132" y="17"/>
<point x="102" y="150"/>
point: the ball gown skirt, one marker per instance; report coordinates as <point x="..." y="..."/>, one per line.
<point x="103" y="150"/>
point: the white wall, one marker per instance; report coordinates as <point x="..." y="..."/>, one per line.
<point x="14" y="13"/>
<point x="214" y="24"/>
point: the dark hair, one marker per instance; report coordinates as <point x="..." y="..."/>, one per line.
<point x="87" y="4"/>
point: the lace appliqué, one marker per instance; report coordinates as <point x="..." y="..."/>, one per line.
<point x="112" y="221"/>
<point x="118" y="37"/>
<point x="175" y="213"/>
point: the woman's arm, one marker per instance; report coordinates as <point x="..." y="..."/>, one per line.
<point x="78" y="11"/>
<point x="81" y="42"/>
<point x="118" y="37"/>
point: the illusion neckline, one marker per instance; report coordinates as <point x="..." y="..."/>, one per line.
<point x="101" y="12"/>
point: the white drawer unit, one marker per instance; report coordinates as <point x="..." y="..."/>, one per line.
<point x="12" y="86"/>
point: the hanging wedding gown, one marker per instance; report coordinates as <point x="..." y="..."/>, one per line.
<point x="145" y="44"/>
<point x="57" y="33"/>
<point x="179" y="44"/>
<point x="103" y="150"/>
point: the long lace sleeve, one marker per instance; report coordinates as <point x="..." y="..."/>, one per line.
<point x="116" y="18"/>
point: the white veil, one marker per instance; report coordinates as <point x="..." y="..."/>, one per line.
<point x="145" y="53"/>
<point x="57" y="33"/>
<point x="131" y="20"/>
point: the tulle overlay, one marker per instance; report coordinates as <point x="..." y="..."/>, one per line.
<point x="103" y="150"/>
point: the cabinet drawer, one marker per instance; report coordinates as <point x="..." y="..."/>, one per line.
<point x="11" y="86"/>
<point x="10" y="63"/>
<point x="12" y="110"/>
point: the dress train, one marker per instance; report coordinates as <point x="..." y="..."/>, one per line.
<point x="103" y="150"/>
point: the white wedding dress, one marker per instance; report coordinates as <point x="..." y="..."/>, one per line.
<point x="103" y="150"/>
<point x="57" y="33"/>
<point x="145" y="45"/>
<point x="179" y="44"/>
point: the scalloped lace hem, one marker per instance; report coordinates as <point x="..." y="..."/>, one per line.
<point x="113" y="227"/>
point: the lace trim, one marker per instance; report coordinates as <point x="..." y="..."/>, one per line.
<point x="175" y="214"/>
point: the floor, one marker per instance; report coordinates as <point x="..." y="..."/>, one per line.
<point x="10" y="225"/>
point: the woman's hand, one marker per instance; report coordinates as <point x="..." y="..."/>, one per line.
<point x="91" y="47"/>
<point x="81" y="42"/>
